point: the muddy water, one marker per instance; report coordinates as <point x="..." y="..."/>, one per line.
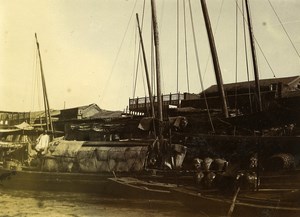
<point x="32" y="203"/>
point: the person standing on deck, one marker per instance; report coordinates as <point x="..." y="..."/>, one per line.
<point x="42" y="143"/>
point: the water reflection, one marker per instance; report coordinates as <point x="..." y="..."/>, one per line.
<point x="33" y="203"/>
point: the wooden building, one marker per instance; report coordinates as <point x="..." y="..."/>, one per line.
<point x="241" y="96"/>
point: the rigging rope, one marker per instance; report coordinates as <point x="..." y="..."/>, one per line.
<point x="33" y="78"/>
<point x="143" y="76"/>
<point x="215" y="32"/>
<point x="36" y="84"/>
<point x="265" y="57"/>
<point x="236" y="55"/>
<point x="118" y="53"/>
<point x="198" y="67"/>
<point x="139" y="51"/>
<point x="284" y="29"/>
<point x="236" y="63"/>
<point x="246" y="54"/>
<point x="177" y="44"/>
<point x="186" y="50"/>
<point x="135" y="66"/>
<point x="258" y="43"/>
<point x="161" y="59"/>
<point x="152" y="61"/>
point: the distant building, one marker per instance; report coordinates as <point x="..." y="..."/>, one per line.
<point x="8" y="119"/>
<point x="81" y="112"/>
<point x="59" y="117"/>
<point x="239" y="95"/>
<point x="242" y="95"/>
<point x="281" y="85"/>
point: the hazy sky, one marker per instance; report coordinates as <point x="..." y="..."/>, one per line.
<point x="89" y="48"/>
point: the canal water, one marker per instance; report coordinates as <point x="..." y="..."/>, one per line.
<point x="48" y="204"/>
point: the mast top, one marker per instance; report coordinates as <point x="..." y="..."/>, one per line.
<point x="35" y="35"/>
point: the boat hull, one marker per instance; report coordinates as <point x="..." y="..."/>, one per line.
<point x="265" y="202"/>
<point x="106" y="184"/>
<point x="216" y="204"/>
<point x="55" y="181"/>
<point x="141" y="189"/>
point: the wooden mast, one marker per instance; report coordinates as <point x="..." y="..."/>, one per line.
<point x="46" y="101"/>
<point x="253" y="52"/>
<point x="147" y="74"/>
<point x="215" y="59"/>
<point x="158" y="79"/>
<point x="257" y="85"/>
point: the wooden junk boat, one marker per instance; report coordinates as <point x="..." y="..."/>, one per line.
<point x="154" y="168"/>
<point x="71" y="165"/>
<point x="260" y="176"/>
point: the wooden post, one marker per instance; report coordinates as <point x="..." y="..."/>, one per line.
<point x="215" y="59"/>
<point x="253" y="52"/>
<point x="46" y="101"/>
<point x="146" y="69"/>
<point x="158" y="79"/>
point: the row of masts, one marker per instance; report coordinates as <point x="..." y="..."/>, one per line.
<point x="217" y="69"/>
<point x="215" y="59"/>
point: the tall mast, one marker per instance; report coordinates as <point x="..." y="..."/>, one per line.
<point x="214" y="54"/>
<point x="46" y="101"/>
<point x="146" y="71"/>
<point x="253" y="52"/>
<point x="158" y="80"/>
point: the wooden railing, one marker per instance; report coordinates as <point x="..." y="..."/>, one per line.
<point x="143" y="103"/>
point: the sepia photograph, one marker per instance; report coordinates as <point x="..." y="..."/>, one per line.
<point x="165" y="108"/>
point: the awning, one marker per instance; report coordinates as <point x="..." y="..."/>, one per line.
<point x="24" y="126"/>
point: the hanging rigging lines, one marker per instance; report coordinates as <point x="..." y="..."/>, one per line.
<point x="36" y="83"/>
<point x="135" y="65"/>
<point x="215" y="33"/>
<point x="118" y="53"/>
<point x="153" y="69"/>
<point x="143" y="75"/>
<point x="198" y="67"/>
<point x="186" y="50"/>
<point x="177" y="44"/>
<point x="236" y="56"/>
<point x="34" y="80"/>
<point x="246" y="55"/>
<point x="138" y="54"/>
<point x="185" y="42"/>
<point x="284" y="29"/>
<point x="185" y="45"/>
<point x="244" y="19"/>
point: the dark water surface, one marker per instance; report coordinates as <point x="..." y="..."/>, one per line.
<point x="33" y="203"/>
